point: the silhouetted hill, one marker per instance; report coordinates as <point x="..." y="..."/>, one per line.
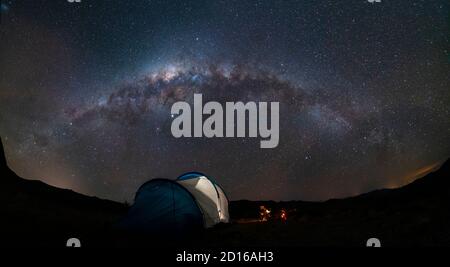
<point x="46" y="215"/>
<point x="417" y="214"/>
<point x="34" y="213"/>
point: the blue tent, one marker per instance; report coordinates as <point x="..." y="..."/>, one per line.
<point x="163" y="206"/>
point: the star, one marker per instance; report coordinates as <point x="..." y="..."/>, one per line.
<point x="358" y="96"/>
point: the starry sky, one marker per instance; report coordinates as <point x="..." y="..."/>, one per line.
<point x="86" y="90"/>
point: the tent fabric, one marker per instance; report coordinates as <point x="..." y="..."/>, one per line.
<point x="206" y="196"/>
<point x="173" y="207"/>
<point x="223" y="207"/>
<point x="209" y="196"/>
<point x="160" y="205"/>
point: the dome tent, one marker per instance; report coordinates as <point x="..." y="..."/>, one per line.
<point x="209" y="196"/>
<point x="163" y="206"/>
<point x="177" y="207"/>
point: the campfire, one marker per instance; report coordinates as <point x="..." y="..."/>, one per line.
<point x="264" y="214"/>
<point x="283" y="215"/>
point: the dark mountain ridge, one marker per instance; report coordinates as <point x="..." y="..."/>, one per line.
<point x="417" y="214"/>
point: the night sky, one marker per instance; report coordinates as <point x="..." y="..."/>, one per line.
<point x="86" y="90"/>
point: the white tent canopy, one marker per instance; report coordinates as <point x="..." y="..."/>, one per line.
<point x="209" y="196"/>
